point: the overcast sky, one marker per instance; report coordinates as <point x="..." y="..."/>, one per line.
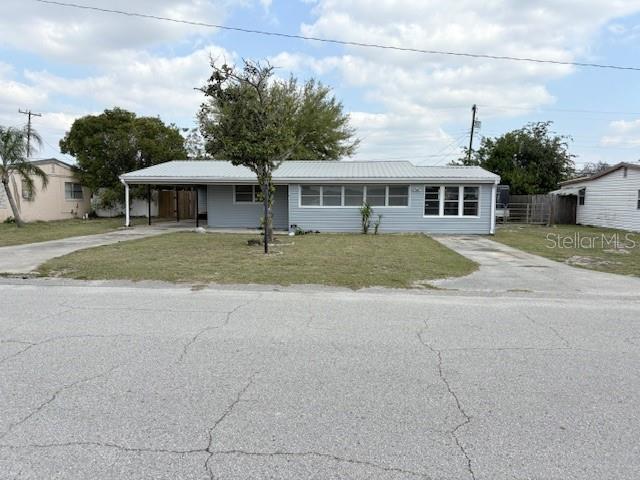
<point x="65" y="63"/>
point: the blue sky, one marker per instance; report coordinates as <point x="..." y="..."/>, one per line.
<point x="66" y="63"/>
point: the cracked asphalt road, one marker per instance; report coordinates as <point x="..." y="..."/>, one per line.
<point x="113" y="381"/>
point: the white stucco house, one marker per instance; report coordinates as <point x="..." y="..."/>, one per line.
<point x="610" y="198"/>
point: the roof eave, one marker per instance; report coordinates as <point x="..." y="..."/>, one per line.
<point x="307" y="180"/>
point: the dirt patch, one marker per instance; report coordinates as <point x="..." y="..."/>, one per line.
<point x="580" y="261"/>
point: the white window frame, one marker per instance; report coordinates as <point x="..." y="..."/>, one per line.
<point x="582" y="195"/>
<point x="255" y="190"/>
<point x="364" y="195"/>
<point x="72" y="198"/>
<point x="460" y="201"/>
<point x="440" y="204"/>
<point x="461" y="206"/>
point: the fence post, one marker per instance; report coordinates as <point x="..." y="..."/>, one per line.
<point x="527" y="219"/>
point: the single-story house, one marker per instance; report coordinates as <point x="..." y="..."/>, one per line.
<point x="63" y="198"/>
<point x="610" y="198"/>
<point x="326" y="195"/>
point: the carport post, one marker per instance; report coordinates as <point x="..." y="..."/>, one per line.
<point x="197" y="209"/>
<point x="149" y="202"/>
<point x="127" y="222"/>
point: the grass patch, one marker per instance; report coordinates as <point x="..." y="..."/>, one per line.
<point x="33" y="232"/>
<point x="347" y="260"/>
<point x="602" y="249"/>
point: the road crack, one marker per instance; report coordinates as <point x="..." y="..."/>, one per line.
<point x="43" y="405"/>
<point x="194" y="339"/>
<point x="321" y="455"/>
<point x="466" y="418"/>
<point x="557" y="334"/>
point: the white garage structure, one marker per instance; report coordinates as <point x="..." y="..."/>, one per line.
<point x="610" y="198"/>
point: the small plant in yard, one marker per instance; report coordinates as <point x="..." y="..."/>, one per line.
<point x="376" y="225"/>
<point x="365" y="213"/>
<point x="9" y="220"/>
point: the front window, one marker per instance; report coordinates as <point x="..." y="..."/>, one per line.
<point x="431" y="200"/>
<point x="354" y="195"/>
<point x="471" y="197"/>
<point x="27" y="191"/>
<point x="72" y="191"/>
<point x="638" y="199"/>
<point x="332" y="196"/>
<point x="451" y="200"/>
<point x="310" y="195"/>
<point x="398" y="196"/>
<point x="582" y="193"/>
<point x="376" y="195"/>
<point x="246" y="193"/>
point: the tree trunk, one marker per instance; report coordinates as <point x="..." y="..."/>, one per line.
<point x="12" y="203"/>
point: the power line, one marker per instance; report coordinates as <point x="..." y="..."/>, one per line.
<point x="567" y="110"/>
<point x="340" y="42"/>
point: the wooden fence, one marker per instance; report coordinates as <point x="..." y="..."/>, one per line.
<point x="539" y="210"/>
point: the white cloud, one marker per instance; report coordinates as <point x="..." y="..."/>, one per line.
<point x="420" y="93"/>
<point x="83" y="36"/>
<point x="623" y="133"/>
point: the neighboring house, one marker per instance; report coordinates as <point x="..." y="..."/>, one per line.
<point x="326" y="195"/>
<point x="63" y="198"/>
<point x="610" y="198"/>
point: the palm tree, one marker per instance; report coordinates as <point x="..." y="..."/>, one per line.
<point x="14" y="162"/>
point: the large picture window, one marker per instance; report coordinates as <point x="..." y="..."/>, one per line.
<point x="72" y="191"/>
<point x="246" y="193"/>
<point x="354" y="195"/>
<point x="451" y="201"/>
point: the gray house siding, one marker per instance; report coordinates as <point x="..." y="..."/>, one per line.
<point x="223" y="212"/>
<point x="394" y="219"/>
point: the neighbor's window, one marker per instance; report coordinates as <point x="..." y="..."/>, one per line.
<point x="471" y="197"/>
<point x="638" y="199"/>
<point x="246" y="193"/>
<point x="581" y="194"/>
<point x="310" y="195"/>
<point x="353" y="195"/>
<point x="398" y="196"/>
<point x="451" y="200"/>
<point x="27" y="191"/>
<point x="72" y="191"/>
<point x="431" y="200"/>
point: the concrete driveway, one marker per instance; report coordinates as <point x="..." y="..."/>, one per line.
<point x="114" y="381"/>
<point x="26" y="258"/>
<point x="506" y="269"/>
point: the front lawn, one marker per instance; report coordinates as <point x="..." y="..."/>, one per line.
<point x="603" y="249"/>
<point x="353" y="261"/>
<point x="43" y="231"/>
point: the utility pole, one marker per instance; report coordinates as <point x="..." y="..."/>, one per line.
<point x="29" y="114"/>
<point x="473" y="126"/>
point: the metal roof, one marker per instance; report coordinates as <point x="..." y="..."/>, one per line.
<point x="604" y="172"/>
<point x="303" y="171"/>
